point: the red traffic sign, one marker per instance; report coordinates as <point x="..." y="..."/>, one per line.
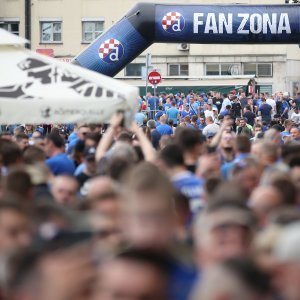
<point x="154" y="77"/>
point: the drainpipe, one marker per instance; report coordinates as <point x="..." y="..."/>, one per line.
<point x="28" y="22"/>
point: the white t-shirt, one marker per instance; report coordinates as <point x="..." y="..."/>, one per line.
<point x="211" y="129"/>
<point x="272" y="103"/>
<point x="295" y="117"/>
<point x="209" y="113"/>
<point x="225" y="102"/>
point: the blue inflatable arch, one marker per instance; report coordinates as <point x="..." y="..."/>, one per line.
<point x="148" y="23"/>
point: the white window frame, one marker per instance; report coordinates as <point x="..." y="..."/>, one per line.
<point x="256" y="68"/>
<point x="51" y="22"/>
<point x="179" y="68"/>
<point x="220" y="67"/>
<point x="93" y="21"/>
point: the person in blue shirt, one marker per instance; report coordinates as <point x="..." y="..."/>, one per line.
<point x="82" y="131"/>
<point x="265" y="111"/>
<point x="58" y="162"/>
<point x="186" y="111"/>
<point x="202" y="123"/>
<point x="153" y="103"/>
<point x="172" y="114"/>
<point x="167" y="105"/>
<point x="163" y="128"/>
<point x="182" y="180"/>
<point x="194" y="106"/>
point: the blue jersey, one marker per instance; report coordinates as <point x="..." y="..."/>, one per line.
<point x="192" y="187"/>
<point x="61" y="164"/>
<point x="172" y="114"/>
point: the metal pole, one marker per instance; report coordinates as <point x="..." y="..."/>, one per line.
<point x="154" y="99"/>
<point x="148" y="63"/>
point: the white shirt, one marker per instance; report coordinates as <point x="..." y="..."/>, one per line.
<point x="209" y="113"/>
<point x="295" y="117"/>
<point x="272" y="103"/>
<point x="225" y="102"/>
<point x="211" y="128"/>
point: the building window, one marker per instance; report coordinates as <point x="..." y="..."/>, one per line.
<point x="258" y="69"/>
<point x="91" y="30"/>
<point x="12" y="27"/>
<point x="178" y="69"/>
<point x="222" y="69"/>
<point x="134" y="70"/>
<point x="51" y="32"/>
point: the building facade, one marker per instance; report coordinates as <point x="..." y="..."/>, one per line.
<point x="63" y="28"/>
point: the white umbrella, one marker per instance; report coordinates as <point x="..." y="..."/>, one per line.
<point x="37" y="89"/>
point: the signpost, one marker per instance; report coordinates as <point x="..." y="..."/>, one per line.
<point x="154" y="78"/>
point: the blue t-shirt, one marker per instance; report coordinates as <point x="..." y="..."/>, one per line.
<point x="72" y="137"/>
<point x="153" y="103"/>
<point x="164" y="129"/>
<point x="192" y="187"/>
<point x="172" y="114"/>
<point x="61" y="164"/>
<point x="72" y="144"/>
<point x="139" y="118"/>
<point x="167" y="106"/>
<point x="265" y="110"/>
<point x="158" y="115"/>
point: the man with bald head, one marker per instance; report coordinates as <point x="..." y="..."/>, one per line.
<point x="163" y="128"/>
<point x="103" y="196"/>
<point x="263" y="201"/>
<point x="64" y="189"/>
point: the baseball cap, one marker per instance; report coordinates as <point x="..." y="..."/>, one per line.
<point x="89" y="153"/>
<point x="230" y="216"/>
<point x="210" y="135"/>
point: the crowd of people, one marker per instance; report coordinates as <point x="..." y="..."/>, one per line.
<point x="198" y="200"/>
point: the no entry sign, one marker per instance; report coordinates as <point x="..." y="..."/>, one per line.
<point x="154" y="77"/>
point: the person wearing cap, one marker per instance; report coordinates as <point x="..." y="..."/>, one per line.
<point x="224" y="230"/>
<point x="89" y="166"/>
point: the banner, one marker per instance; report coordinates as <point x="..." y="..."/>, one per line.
<point x="243" y="24"/>
<point x="147" y="23"/>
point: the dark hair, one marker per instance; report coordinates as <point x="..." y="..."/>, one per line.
<point x="287" y="189"/>
<point x="34" y="154"/>
<point x="10" y="153"/>
<point x="243" y="144"/>
<point x="172" y="156"/>
<point x="147" y="257"/>
<point x="21" y="136"/>
<point x="125" y="137"/>
<point x="188" y="138"/>
<point x="56" y="139"/>
<point x="250" y="274"/>
<point x="18" y="182"/>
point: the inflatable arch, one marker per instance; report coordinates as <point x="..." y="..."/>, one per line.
<point x="148" y="23"/>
